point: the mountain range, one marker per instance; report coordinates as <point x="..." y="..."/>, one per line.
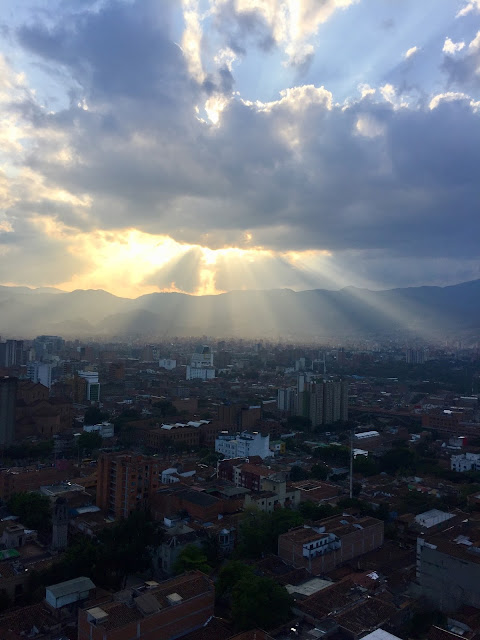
<point x="429" y="312"/>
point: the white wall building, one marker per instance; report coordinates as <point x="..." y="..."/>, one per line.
<point x="465" y="462"/>
<point x="40" y="372"/>
<point x="243" y="445"/>
<point x="166" y="363"/>
<point x="93" y="386"/>
<point x="105" y="429"/>
<point x="201" y="365"/>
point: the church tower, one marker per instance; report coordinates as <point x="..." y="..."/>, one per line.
<point x="60" y="524"/>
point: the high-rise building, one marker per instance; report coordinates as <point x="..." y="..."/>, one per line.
<point x="8" y="398"/>
<point x="201" y="365"/>
<point x="11" y="353"/>
<point x="415" y="356"/>
<point x="125" y="482"/>
<point x="93" y="386"/>
<point x="323" y="402"/>
<point x="40" y="372"/>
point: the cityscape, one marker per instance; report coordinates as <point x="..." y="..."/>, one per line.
<point x="204" y="488"/>
<point x="239" y="320"/>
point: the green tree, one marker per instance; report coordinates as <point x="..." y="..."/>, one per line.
<point x="229" y="575"/>
<point x="89" y="441"/>
<point x="260" y="602"/>
<point x="319" y="471"/>
<point x="33" y="510"/>
<point x="299" y="422"/>
<point x="192" y="557"/>
<point x="259" y="531"/>
<point x="311" y="511"/>
<point x="297" y="473"/>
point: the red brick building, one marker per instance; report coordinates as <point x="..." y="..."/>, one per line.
<point x="17" y="479"/>
<point x="165" y="610"/>
<point x="330" y="542"/>
<point x="125" y="482"/>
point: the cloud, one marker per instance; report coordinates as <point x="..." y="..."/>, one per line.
<point x="289" y="24"/>
<point x="464" y="71"/>
<point x="452" y="47"/>
<point x="470" y="6"/>
<point x="411" y="52"/>
<point x="299" y="173"/>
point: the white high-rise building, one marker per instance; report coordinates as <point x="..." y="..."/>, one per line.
<point x="201" y="365"/>
<point x="93" y="386"/>
<point x="40" y="372"/>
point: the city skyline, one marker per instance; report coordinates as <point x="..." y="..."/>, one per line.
<point x="204" y="146"/>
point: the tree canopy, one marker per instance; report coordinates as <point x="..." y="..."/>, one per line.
<point x="192" y="557"/>
<point x="89" y="441"/>
<point x="33" y="510"/>
<point x="260" y="602"/>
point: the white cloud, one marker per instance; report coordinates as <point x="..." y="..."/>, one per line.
<point x="452" y="47"/>
<point x="449" y="96"/>
<point x="292" y="23"/>
<point x="411" y="52"/>
<point x="472" y="5"/>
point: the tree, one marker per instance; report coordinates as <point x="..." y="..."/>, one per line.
<point x="299" y="422"/>
<point x="229" y="575"/>
<point x="260" y="602"/>
<point x="297" y="473"/>
<point x="192" y="557"/>
<point x="319" y="471"/>
<point x="165" y="408"/>
<point x="33" y="510"/>
<point x="311" y="511"/>
<point x="259" y="531"/>
<point x="125" y="547"/>
<point x="89" y="441"/>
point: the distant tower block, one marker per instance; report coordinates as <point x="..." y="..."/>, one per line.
<point x="60" y="524"/>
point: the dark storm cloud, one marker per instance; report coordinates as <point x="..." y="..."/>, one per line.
<point x="300" y="173"/>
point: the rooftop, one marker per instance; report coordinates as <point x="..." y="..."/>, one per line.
<point x="71" y="586"/>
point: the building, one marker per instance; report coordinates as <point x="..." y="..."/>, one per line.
<point x="8" y="396"/>
<point x="201" y="365"/>
<point x="92" y="392"/>
<point x="323" y="402"/>
<point x="415" y="356"/>
<point x="167" y="363"/>
<point x="40" y="372"/>
<point x="465" y="462"/>
<point x="18" y="479"/>
<point x="60" y="524"/>
<point x="69" y="593"/>
<point x="105" y="429"/>
<point x="286" y="399"/>
<point x="331" y="542"/>
<point x="448" y="566"/>
<point x="125" y="482"/>
<point x="153" y="610"/>
<point x="11" y="353"/>
<point x="243" y="445"/>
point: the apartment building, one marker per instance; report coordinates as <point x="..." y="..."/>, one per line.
<point x="330" y="542"/>
<point x="126" y="482"/>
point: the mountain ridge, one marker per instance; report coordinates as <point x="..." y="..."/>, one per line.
<point x="426" y="311"/>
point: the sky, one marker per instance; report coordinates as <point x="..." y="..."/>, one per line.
<point x="205" y="146"/>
